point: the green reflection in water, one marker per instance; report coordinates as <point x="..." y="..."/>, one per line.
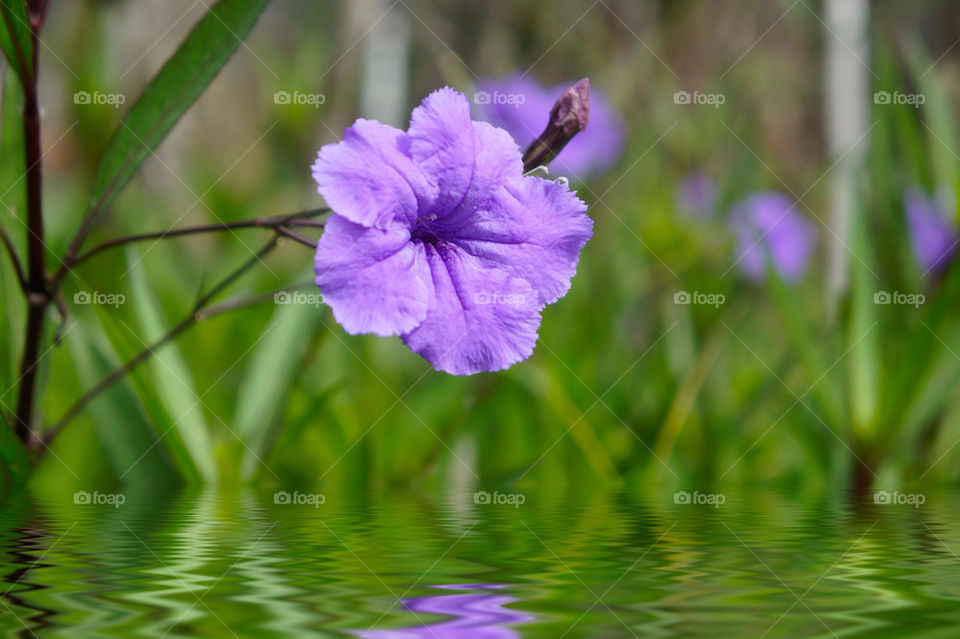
<point x="220" y="564"/>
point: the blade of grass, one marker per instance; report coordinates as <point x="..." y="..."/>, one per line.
<point x="272" y="370"/>
<point x="171" y="377"/>
<point x="172" y="91"/>
<point x="15" y="38"/>
<point x="938" y="114"/>
<point x="13" y="454"/>
<point x="864" y="371"/>
<point x="124" y="432"/>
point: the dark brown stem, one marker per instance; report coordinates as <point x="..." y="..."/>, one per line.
<point x="14" y="259"/>
<point x="196" y="313"/>
<point x="295" y="219"/>
<point x="37" y="296"/>
<point x="296" y="237"/>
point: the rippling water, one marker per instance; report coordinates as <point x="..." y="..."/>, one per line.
<point x="398" y="566"/>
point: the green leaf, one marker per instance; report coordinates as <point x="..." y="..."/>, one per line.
<point x="810" y="346"/>
<point x="864" y="368"/>
<point x="15" y="35"/>
<point x="11" y="198"/>
<point x="938" y="114"/>
<point x="172" y="378"/>
<point x="13" y="194"/>
<point x="13" y="455"/>
<point x="272" y="369"/>
<point x="124" y="432"/>
<point x="174" y="89"/>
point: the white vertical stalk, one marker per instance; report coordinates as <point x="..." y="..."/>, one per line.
<point x="384" y="82"/>
<point x="847" y="110"/>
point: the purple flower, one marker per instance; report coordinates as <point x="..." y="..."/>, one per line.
<point x="436" y="236"/>
<point x="768" y="224"/>
<point x="471" y="616"/>
<point x="697" y="195"/>
<point x="932" y="234"/>
<point x="521" y="106"/>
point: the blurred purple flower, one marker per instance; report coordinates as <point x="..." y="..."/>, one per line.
<point x="436" y="236"/>
<point x="473" y="616"/>
<point x="521" y="106"/>
<point x="697" y="195"/>
<point x="932" y="233"/>
<point x="767" y="223"/>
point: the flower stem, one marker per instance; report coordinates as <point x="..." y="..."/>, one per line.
<point x="37" y="295"/>
<point x="295" y="219"/>
<point x="14" y="259"/>
<point x="296" y="237"/>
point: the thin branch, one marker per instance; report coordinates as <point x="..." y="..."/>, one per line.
<point x="296" y="237"/>
<point x="14" y="259"/>
<point x="295" y="219"/>
<point x="145" y="354"/>
<point x="246" y="302"/>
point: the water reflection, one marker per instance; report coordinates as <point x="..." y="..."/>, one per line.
<point x="199" y="564"/>
<point x="475" y="616"/>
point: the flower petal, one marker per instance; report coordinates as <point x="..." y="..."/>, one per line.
<point x="770" y="228"/>
<point x="465" y="160"/>
<point x="376" y="281"/>
<point x="533" y="229"/>
<point x="369" y="177"/>
<point x="480" y="318"/>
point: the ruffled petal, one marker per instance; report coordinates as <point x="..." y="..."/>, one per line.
<point x="376" y="281"/>
<point x="480" y="319"/>
<point x="465" y="160"/>
<point x="370" y="179"/>
<point x="533" y="229"/>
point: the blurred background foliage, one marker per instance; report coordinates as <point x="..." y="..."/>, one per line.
<point x="782" y="383"/>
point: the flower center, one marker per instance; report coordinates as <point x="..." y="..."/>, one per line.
<point x="422" y="230"/>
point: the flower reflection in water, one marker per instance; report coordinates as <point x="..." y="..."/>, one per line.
<point x="475" y="615"/>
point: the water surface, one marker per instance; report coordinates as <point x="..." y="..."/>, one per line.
<point x="210" y="564"/>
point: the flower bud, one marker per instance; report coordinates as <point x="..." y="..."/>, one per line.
<point x="569" y="116"/>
